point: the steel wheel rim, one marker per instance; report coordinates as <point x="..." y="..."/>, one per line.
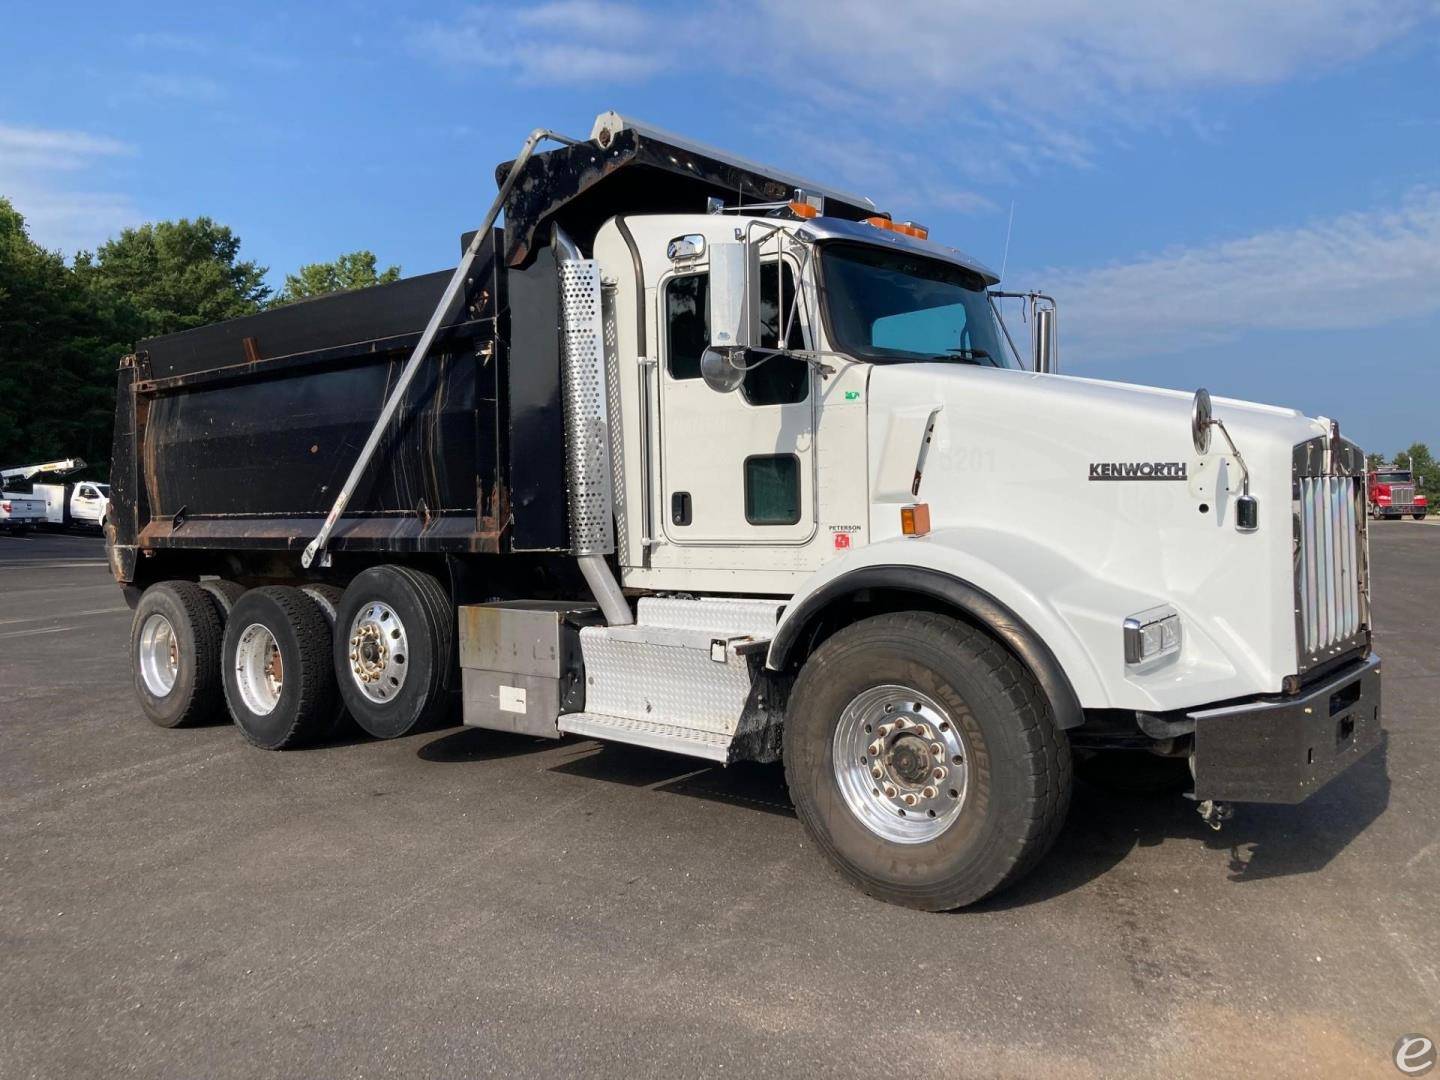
<point x="159" y="655"/>
<point x="901" y="763"/>
<point x="259" y="672"/>
<point x="379" y="652"/>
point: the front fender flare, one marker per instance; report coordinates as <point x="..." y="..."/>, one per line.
<point x="975" y="602"/>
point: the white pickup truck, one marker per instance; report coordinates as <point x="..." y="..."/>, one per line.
<point x="81" y="503"/>
<point x="20" y="513"/>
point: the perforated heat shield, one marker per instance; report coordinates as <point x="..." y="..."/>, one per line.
<point x="587" y="432"/>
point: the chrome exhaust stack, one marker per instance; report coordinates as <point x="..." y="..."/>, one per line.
<point x="589" y="497"/>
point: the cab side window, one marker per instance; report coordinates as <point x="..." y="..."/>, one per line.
<point x="780" y="380"/>
<point x="687" y="317"/>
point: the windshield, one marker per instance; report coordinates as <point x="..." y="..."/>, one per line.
<point x="1393" y="477"/>
<point x="892" y="306"/>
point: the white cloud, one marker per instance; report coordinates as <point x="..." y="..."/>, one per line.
<point x="172" y="42"/>
<point x="38" y="148"/>
<point x="33" y="163"/>
<point x="560" y="42"/>
<point x="1057" y="55"/>
<point x="1356" y="270"/>
<point x="1023" y="87"/>
<point x="176" y="86"/>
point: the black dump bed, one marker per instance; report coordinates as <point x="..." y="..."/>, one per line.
<point x="236" y="437"/>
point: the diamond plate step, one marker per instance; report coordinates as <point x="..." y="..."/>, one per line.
<point x="719" y="616"/>
<point x="651" y="733"/>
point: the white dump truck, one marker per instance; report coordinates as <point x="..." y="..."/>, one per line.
<point x="696" y="455"/>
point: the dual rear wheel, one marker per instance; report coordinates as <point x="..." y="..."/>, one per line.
<point x="292" y="664"/>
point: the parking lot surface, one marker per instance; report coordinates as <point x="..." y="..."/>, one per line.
<point x="178" y="904"/>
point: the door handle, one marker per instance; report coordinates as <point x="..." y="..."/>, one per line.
<point x="680" y="508"/>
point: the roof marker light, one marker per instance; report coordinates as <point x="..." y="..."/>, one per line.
<point x="907" y="228"/>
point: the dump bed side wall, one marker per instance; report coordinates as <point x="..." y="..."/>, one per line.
<point x="238" y="436"/>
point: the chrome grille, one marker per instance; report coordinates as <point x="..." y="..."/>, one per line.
<point x="1331" y="590"/>
<point x="1402" y="496"/>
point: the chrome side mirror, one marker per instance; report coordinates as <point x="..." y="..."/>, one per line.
<point x="1044" y="338"/>
<point x="1201" y="419"/>
<point x="723" y="369"/>
<point x="687" y="247"/>
<point x="734" y="310"/>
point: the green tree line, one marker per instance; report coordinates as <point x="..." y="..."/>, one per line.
<point x="64" y="326"/>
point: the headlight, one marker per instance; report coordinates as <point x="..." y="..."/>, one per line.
<point x="1152" y="634"/>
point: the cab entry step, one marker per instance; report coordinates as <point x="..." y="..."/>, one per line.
<point x="679" y="678"/>
<point x="657" y="736"/>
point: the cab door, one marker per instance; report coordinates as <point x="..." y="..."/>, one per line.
<point x="735" y="468"/>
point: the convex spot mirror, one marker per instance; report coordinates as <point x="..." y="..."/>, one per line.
<point x="1201" y="417"/>
<point x="723" y="369"/>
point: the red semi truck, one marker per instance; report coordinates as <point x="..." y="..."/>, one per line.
<point x="1394" y="492"/>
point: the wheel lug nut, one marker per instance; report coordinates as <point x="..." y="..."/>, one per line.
<point x="885" y="729"/>
<point x="929" y="793"/>
<point x="910" y="799"/>
<point x="902" y="723"/>
<point x="937" y="750"/>
<point x="922" y="731"/>
<point x="876" y="771"/>
<point x="875" y="747"/>
<point x="938" y="773"/>
<point x="889" y="791"/>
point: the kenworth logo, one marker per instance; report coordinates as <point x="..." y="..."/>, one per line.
<point x="1137" y="470"/>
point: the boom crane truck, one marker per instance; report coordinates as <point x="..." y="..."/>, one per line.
<point x="696" y="455"/>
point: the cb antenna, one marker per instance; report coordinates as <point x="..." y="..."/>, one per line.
<point x="1005" y="259"/>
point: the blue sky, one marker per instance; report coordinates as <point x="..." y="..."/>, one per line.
<point x="1244" y="196"/>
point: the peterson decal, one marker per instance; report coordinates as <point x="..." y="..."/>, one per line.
<point x="1137" y="470"/>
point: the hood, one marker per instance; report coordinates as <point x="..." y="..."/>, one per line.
<point x="1101" y="481"/>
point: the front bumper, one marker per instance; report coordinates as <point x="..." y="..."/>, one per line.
<point x="1283" y="750"/>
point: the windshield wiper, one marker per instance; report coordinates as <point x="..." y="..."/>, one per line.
<point x="968" y="354"/>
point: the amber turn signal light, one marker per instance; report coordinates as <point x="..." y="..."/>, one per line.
<point x="907" y="228"/>
<point x="915" y="519"/>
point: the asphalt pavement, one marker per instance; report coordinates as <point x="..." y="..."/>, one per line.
<point x="466" y="903"/>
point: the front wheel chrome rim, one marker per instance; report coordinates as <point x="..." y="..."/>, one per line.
<point x="901" y="764"/>
<point x="379" y="652"/>
<point x="259" y="671"/>
<point x="159" y="655"/>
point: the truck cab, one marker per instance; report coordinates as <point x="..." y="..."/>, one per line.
<point x="1393" y="492"/>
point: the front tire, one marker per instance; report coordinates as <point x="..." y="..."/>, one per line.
<point x="279" y="683"/>
<point x="394" y="644"/>
<point x="175" y="654"/>
<point x="882" y="811"/>
<point x="1420" y="516"/>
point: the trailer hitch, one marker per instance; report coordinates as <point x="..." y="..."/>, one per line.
<point x="1215" y="814"/>
<point x="316" y="548"/>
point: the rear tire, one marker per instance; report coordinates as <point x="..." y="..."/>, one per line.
<point x="223" y="594"/>
<point x="175" y="654"/>
<point x="327" y="598"/>
<point x="1005" y="787"/>
<point x="279" y="683"/>
<point x="394" y="645"/>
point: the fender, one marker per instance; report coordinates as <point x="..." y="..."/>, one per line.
<point x="975" y="602"/>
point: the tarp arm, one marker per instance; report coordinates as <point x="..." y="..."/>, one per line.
<point x="316" y="548"/>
